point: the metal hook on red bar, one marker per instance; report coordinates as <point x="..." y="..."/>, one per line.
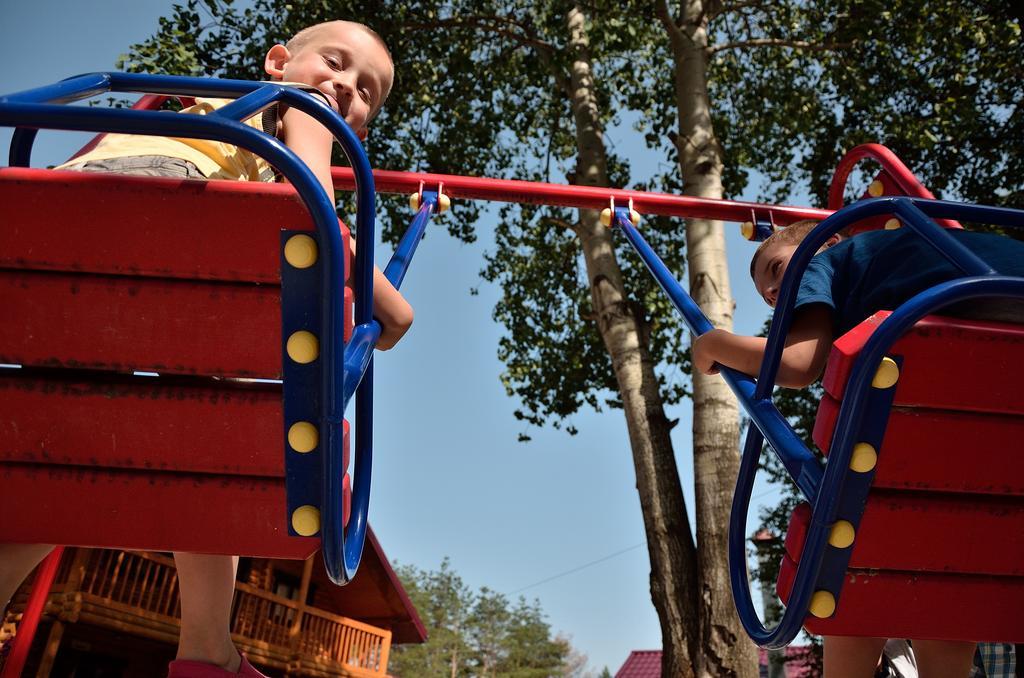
<point x="443" y="201"/>
<point x="607" y="214"/>
<point x="758" y="229"/>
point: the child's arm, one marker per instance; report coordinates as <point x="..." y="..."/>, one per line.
<point x="807" y="348"/>
<point x="389" y="308"/>
<point x="312" y="143"/>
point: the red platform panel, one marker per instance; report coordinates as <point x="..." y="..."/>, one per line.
<point x="922" y="446"/>
<point x="139" y="463"/>
<point x="144" y="423"/>
<point x="920" y="605"/>
<point x="936" y="533"/>
<point x="79" y="506"/>
<point x="939" y="552"/>
<point x="143" y="226"/>
<point x="969" y="365"/>
<point x="146" y="324"/>
<point x="101" y="275"/>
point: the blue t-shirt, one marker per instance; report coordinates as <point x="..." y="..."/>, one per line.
<point x="879" y="270"/>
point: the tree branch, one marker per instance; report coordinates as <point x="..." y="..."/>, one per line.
<point x="561" y="222"/>
<point x="675" y="34"/>
<point x="780" y="42"/>
<point x="735" y="6"/>
<point x="483" y="22"/>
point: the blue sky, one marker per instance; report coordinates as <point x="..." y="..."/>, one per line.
<point x="557" y="519"/>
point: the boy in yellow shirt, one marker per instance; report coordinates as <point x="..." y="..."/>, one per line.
<point x="350" y="66"/>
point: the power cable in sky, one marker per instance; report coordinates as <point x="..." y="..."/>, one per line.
<point x="578" y="568"/>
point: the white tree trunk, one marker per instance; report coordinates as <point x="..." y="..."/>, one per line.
<point x="669" y="542"/>
<point x="724" y="647"/>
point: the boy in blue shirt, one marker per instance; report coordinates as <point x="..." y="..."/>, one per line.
<point x="846" y="281"/>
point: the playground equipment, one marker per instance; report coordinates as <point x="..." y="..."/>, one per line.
<point x="935" y="552"/>
<point x="918" y="557"/>
<point x="146" y="289"/>
<point x="148" y="294"/>
<point x="986" y="368"/>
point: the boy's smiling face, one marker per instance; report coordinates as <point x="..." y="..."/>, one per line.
<point x="345" y="62"/>
<point x="770" y="267"/>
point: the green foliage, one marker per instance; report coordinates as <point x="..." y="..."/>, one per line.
<point x="477" y="633"/>
<point x="555" y="359"/>
<point x="480" y="90"/>
<point x="941" y="83"/>
<point x="794" y="85"/>
<point x="443" y="602"/>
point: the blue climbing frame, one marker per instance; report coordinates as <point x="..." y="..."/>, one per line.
<point x="342" y="373"/>
<point x="823" y="485"/>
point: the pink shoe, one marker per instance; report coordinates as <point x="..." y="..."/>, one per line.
<point x="187" y="668"/>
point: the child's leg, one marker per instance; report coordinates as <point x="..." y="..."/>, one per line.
<point x="207" y="585"/>
<point x="16" y="562"/>
<point x="944" y="658"/>
<point x="849" y="657"/>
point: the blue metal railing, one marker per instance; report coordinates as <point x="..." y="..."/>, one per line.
<point x="821" y="486"/>
<point x="360" y="349"/>
<point x="798" y="460"/>
<point x="42" y="108"/>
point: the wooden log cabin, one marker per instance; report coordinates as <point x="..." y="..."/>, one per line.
<point x="115" y="613"/>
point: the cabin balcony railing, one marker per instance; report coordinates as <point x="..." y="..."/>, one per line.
<point x="137" y="593"/>
<point x="362" y="648"/>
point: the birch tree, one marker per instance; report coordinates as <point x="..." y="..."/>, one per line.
<point x="715" y="412"/>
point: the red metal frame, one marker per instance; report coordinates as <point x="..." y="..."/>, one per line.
<point x="981" y="369"/>
<point x="237" y="492"/>
<point x="584" y="197"/>
<point x="45" y="575"/>
<point x="891" y="166"/>
<point x="148" y="102"/>
<point x="561" y="195"/>
<point x="946" y="487"/>
<point x="150" y="290"/>
<point x="595" y="197"/>
<point x="919" y="605"/>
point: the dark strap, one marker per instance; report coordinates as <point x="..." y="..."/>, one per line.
<point x="269" y="121"/>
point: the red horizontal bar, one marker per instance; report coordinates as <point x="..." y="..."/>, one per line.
<point x="211" y="427"/>
<point x="586" y="197"/>
<point x="169" y="228"/>
<point x="925" y="449"/>
<point x="981" y="370"/>
<point x="930" y="532"/>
